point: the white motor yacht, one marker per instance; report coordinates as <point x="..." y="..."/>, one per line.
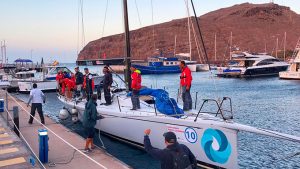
<point x="253" y="65"/>
<point x="46" y="80"/>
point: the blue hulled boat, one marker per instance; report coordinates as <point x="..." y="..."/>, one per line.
<point x="159" y="65"/>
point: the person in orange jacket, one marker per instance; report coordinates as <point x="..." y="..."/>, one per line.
<point x="88" y="84"/>
<point x="136" y="85"/>
<point x="59" y="79"/>
<point x="185" y="86"/>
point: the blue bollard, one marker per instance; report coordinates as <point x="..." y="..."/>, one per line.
<point x="43" y="145"/>
<point x="1" y="105"/>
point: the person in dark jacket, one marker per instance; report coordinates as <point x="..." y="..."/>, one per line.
<point x="79" y="82"/>
<point x="89" y="121"/>
<point x="107" y="82"/>
<point x="88" y="83"/>
<point x="169" y="157"/>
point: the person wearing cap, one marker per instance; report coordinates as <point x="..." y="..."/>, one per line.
<point x="79" y="82"/>
<point x="107" y="82"/>
<point x="136" y="85"/>
<point x="88" y="84"/>
<point x="185" y="86"/>
<point x="174" y="156"/>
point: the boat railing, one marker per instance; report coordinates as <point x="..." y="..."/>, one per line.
<point x="220" y="108"/>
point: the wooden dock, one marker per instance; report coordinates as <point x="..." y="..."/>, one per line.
<point x="62" y="143"/>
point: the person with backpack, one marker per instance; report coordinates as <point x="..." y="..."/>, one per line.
<point x="174" y="156"/>
<point x="90" y="117"/>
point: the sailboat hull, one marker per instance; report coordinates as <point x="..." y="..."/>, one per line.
<point x="213" y="146"/>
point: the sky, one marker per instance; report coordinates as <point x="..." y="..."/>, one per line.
<point x="49" y="28"/>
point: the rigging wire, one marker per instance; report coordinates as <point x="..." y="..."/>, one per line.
<point x="205" y="52"/>
<point x="24" y="139"/>
<point x="59" y="137"/>
<point x="152" y="15"/>
<point x="103" y="27"/>
<point x="78" y="26"/>
<point x="153" y="35"/>
<point x="138" y="13"/>
<point x="199" y="51"/>
<point x="82" y="25"/>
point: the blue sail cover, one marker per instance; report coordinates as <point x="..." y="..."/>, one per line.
<point x="163" y="102"/>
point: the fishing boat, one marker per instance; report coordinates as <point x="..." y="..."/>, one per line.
<point x="293" y="73"/>
<point x="252" y="65"/>
<point x="159" y="65"/>
<point x="211" y="136"/>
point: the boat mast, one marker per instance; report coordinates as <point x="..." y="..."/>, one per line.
<point x="230" y="51"/>
<point x="215" y="47"/>
<point x="127" y="47"/>
<point x="175" y="45"/>
<point x="1" y="52"/>
<point x="189" y="28"/>
<point x="284" y="46"/>
<point x="276" y="53"/>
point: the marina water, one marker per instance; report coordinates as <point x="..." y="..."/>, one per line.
<point x="267" y="103"/>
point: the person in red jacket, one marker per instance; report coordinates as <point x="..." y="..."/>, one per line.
<point x="59" y="79"/>
<point x="69" y="85"/>
<point x="136" y="85"/>
<point x="185" y="86"/>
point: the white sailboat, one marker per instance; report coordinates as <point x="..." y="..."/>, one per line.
<point x="293" y="73"/>
<point x="212" y="139"/>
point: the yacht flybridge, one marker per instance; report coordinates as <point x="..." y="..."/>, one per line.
<point x="212" y="137"/>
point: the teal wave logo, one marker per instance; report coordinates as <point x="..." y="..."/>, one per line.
<point x="216" y="145"/>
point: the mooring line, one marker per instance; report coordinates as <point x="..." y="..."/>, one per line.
<point x="24" y="139"/>
<point x="102" y="166"/>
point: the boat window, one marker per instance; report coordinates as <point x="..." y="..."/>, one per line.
<point x="267" y="62"/>
<point x="171" y="63"/>
<point x="249" y="63"/>
<point x="55" y="71"/>
<point x="241" y="63"/>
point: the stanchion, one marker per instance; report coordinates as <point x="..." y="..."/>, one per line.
<point x="43" y="145"/>
<point x="6" y="102"/>
<point x="16" y="120"/>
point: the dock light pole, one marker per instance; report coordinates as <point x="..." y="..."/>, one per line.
<point x="127" y="45"/>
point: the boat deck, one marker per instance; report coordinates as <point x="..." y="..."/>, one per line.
<point x="59" y="151"/>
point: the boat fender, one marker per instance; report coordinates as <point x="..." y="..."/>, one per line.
<point x="63" y="114"/>
<point x="74" y="114"/>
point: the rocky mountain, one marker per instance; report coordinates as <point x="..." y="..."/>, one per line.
<point x="254" y="27"/>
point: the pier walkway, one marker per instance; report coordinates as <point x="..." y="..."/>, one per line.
<point x="63" y="144"/>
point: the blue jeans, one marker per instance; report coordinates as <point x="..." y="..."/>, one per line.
<point x="135" y="99"/>
<point x="187" y="99"/>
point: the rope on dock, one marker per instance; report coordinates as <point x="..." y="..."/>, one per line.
<point x="22" y="136"/>
<point x="100" y="165"/>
